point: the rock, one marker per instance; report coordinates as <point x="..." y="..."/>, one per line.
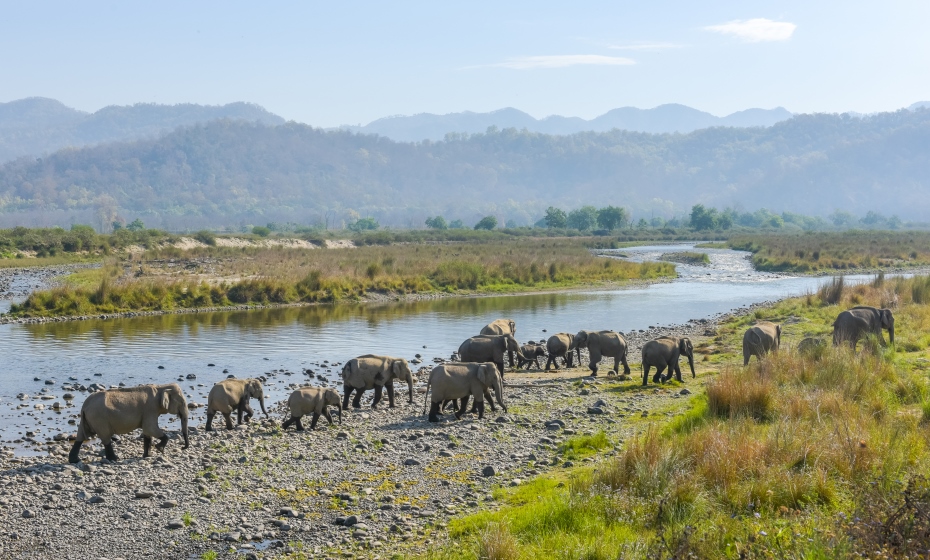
<point x="161" y="367"/>
<point x="684" y="392"/>
<point x="287" y="512"/>
<point x="143" y="494"/>
<point x="191" y="376"/>
<point x="600" y="403"/>
<point x="502" y="420"/>
<point x="175" y="524"/>
<point x="595" y="410"/>
<point x="169" y="504"/>
<point x="411" y="462"/>
<point x="350" y="521"/>
<point x="29" y="514"/>
<point x="68" y="397"/>
<point x="232" y="536"/>
<point x="49" y="382"/>
<point x="488" y="471"/>
<point x="95" y="500"/>
<point x="516" y="482"/>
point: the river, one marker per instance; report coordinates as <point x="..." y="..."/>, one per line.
<point x="288" y="340"/>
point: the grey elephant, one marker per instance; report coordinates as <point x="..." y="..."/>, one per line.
<point x="600" y="344"/>
<point x="531" y="354"/>
<point x="234" y="394"/>
<point x="760" y="339"/>
<point x="120" y="411"/>
<point x="315" y="401"/>
<point x="811" y="345"/>
<point x="502" y="326"/>
<point x="560" y="346"/>
<point x="853" y="324"/>
<point x="664" y="352"/>
<point x="371" y="371"/>
<point x="489" y="348"/>
<point x="458" y="380"/>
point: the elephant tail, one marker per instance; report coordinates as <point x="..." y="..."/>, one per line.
<point x="426" y="394"/>
<point x="346" y="370"/>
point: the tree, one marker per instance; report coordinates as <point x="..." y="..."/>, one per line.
<point x="611" y="217"/>
<point x="842" y="219"/>
<point x="136" y="225"/>
<point x="583" y="219"/>
<point x="642" y="223"/>
<point x="117" y="225"/>
<point x="437" y="223"/>
<point x="487" y="222"/>
<point x="555" y="218"/>
<point x="703" y="218"/>
<point x="456" y="224"/>
<point x="261" y="231"/>
<point x="365" y="224"/>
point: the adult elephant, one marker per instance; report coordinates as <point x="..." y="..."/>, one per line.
<point x="489" y="348"/>
<point x="502" y="326"/>
<point x="853" y="324"/>
<point x="760" y="339"/>
<point x="371" y="371"/>
<point x="600" y="344"/>
<point x="311" y="400"/>
<point x="560" y="346"/>
<point x="664" y="352"/>
<point x="234" y="394"/>
<point x="120" y="411"/>
<point x="458" y="380"/>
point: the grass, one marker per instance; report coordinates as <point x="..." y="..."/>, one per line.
<point x="842" y="251"/>
<point x="791" y="457"/>
<point x="578" y="447"/>
<point x="687" y="257"/>
<point x="170" y="278"/>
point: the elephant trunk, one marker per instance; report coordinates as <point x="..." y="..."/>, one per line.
<point x="410" y="388"/>
<point x="499" y="394"/>
<point x="691" y="364"/>
<point x="891" y="334"/>
<point x="339" y="408"/>
<point x="261" y="403"/>
<point x="183" y="416"/>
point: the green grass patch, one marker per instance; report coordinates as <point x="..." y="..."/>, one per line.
<point x="577" y="447"/>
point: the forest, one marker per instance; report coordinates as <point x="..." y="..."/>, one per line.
<point x="232" y="172"/>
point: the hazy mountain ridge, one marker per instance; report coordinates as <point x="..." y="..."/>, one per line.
<point x="662" y="119"/>
<point x="37" y="125"/>
<point x="223" y="172"/>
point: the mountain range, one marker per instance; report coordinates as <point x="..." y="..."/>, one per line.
<point x="664" y="118"/>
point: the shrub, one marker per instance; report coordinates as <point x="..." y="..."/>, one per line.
<point x="738" y="395"/>
<point x="261" y="231"/>
<point x="206" y="237"/>
<point x="832" y="293"/>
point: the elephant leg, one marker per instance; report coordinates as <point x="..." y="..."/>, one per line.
<point x="390" y="392"/>
<point x="329" y="417"/>
<point x="146" y="445"/>
<point x="228" y="417"/>
<point x="616" y="369"/>
<point x="481" y="410"/>
<point x="316" y="418"/>
<point x="461" y="411"/>
<point x="569" y="360"/>
<point x="677" y="373"/>
<point x="490" y="401"/>
<point x="378" y="390"/>
<point x="162" y="442"/>
<point x="108" y="451"/>
<point x="549" y="362"/>
<point x="434" y="412"/>
<point x="646" y="368"/>
<point x="626" y="366"/>
<point x="746" y="355"/>
<point x="510" y="357"/>
<point x="357" y="401"/>
<point x="346" y="394"/>
<point x="74" y="455"/>
<point x="288" y="422"/>
<point x="658" y="376"/>
<point x="210" y="415"/>
<point x="300" y="426"/>
<point x="248" y="412"/>
<point x="240" y="410"/>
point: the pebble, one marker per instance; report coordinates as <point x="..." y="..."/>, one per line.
<point x="175" y="524"/>
<point x="489" y="471"/>
<point x="29" y="514"/>
<point x="411" y="462"/>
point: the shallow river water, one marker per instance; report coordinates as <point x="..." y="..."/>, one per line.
<point x="251" y="343"/>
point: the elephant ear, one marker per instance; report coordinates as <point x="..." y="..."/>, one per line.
<point x="684" y="346"/>
<point x="483" y="375"/>
<point x="397" y="369"/>
<point x="164" y="398"/>
<point x="887" y="318"/>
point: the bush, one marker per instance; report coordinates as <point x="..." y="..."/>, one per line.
<point x="206" y="237"/>
<point x="832" y="293"/>
<point x="261" y="231"/>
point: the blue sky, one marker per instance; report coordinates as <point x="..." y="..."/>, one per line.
<point x="347" y="62"/>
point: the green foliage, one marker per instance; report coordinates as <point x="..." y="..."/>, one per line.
<point x="611" y="217"/>
<point x="364" y="224"/>
<point x="437" y="223"/>
<point x="704" y="218"/>
<point x="261" y="231"/>
<point x="206" y="237"/>
<point x="487" y="222"/>
<point x="583" y="219"/>
<point x="136" y="225"/>
<point x="555" y="218"/>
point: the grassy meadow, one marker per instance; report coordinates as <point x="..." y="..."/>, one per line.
<point x="171" y="278"/>
<point x="836" y="251"/>
<point x="823" y="455"/>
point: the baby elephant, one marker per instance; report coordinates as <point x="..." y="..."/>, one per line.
<point x="374" y="372"/>
<point x="234" y="394"/>
<point x="457" y="380"/>
<point x="531" y="354"/>
<point x="760" y="339"/>
<point x="664" y="352"/>
<point x="312" y="400"/>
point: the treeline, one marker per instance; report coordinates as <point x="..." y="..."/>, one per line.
<point x="225" y="172"/>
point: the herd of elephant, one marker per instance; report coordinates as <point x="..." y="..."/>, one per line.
<point x="478" y="371"/>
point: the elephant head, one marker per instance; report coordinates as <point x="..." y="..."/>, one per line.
<point x="887" y="319"/>
<point x="401" y="370"/>
<point x="578" y="342"/>
<point x="512" y="346"/>
<point x="254" y="390"/>
<point x="685" y="348"/>
<point x="331" y="398"/>
<point x="171" y="401"/>
<point x="489" y="377"/>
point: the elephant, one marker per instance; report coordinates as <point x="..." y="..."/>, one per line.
<point x="457" y="380"/>
<point x="531" y="353"/>
<point x="811" y="345"/>
<point x="374" y="372"/>
<point x="489" y="348"/>
<point x="315" y="401"/>
<point x="602" y="343"/>
<point x="760" y="339"/>
<point x="234" y="394"/>
<point x="855" y="323"/>
<point x="664" y="352"/>
<point x="120" y="411"/>
<point x="560" y="346"/>
<point x="502" y="326"/>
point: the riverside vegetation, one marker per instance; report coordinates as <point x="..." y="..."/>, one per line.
<point x="821" y="455"/>
<point x="169" y="278"/>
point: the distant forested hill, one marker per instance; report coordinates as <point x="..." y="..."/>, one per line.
<point x="227" y="172"/>
<point x="37" y="126"/>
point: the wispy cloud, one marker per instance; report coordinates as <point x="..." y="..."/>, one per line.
<point x="561" y="61"/>
<point x="645" y="47"/>
<point x="756" y="30"/>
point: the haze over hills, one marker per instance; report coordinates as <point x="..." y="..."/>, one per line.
<point x="664" y="118"/>
<point x="37" y="125"/>
<point x="226" y="172"/>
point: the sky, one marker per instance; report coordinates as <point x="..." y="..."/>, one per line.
<point x="333" y="63"/>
